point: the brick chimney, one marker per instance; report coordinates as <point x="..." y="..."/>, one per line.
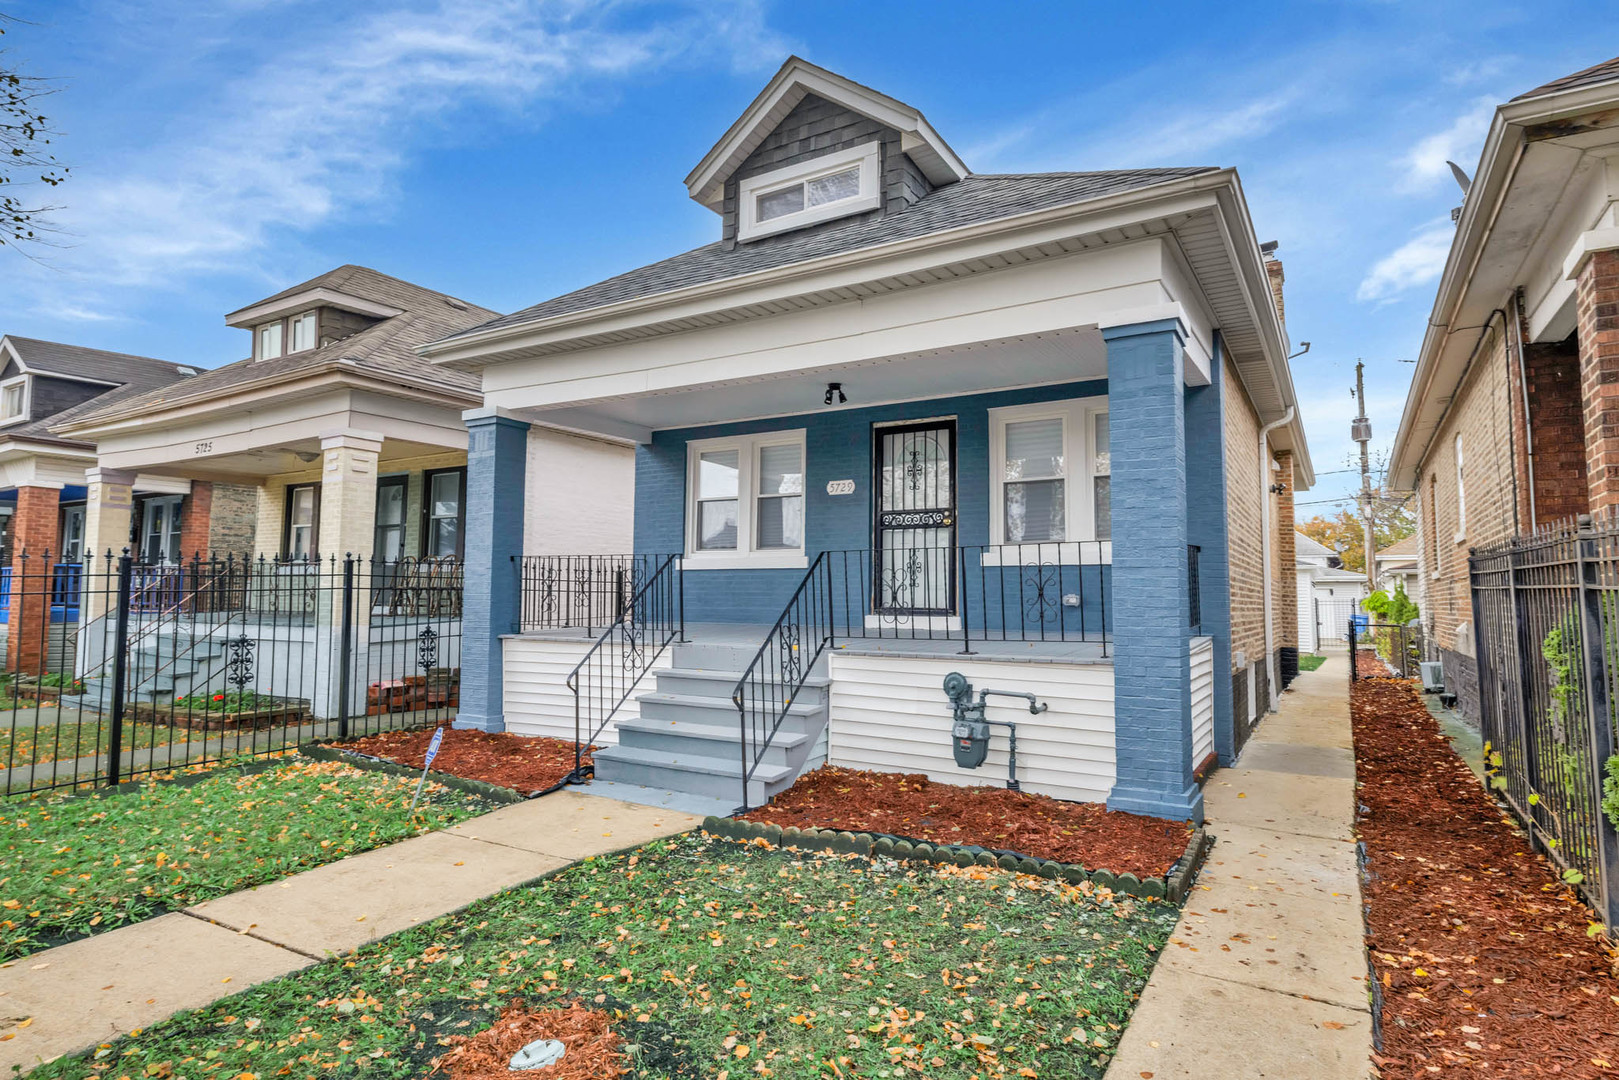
<point x="1273" y="268"/>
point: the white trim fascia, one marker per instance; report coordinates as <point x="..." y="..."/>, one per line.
<point x="10" y="447"/>
<point x="15" y="355"/>
<point x="1183" y="196"/>
<point x="797" y="77"/>
<point x="1587" y="244"/>
<point x="336" y="374"/>
<point x="74" y="378"/>
<point x="245" y="318"/>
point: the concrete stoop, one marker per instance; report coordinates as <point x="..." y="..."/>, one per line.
<point x="1265" y="975"/>
<point x="687" y="739"/>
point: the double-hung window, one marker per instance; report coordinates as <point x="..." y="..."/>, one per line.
<point x="746" y="500"/>
<point x="1052" y="474"/>
<point x="302" y="330"/>
<point x="14" y="400"/>
<point x="269" y="341"/>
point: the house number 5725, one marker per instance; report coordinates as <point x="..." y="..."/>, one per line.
<point x="204" y="447"/>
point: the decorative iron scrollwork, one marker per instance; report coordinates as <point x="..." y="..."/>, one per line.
<point x="1042" y="598"/>
<point x="427" y="648"/>
<point x="239" y="669"/>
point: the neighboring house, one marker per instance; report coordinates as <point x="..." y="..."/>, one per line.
<point x="1397" y="565"/>
<point x="1510" y="423"/>
<point x="1328" y="595"/>
<point x="336" y="439"/>
<point x="42" y="485"/>
<point x="937" y="421"/>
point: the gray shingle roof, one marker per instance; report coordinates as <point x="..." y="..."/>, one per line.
<point x="134" y="375"/>
<point x="1596" y="73"/>
<point x="386" y="349"/>
<point x="970" y="201"/>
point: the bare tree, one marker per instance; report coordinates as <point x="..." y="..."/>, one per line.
<point x="25" y="160"/>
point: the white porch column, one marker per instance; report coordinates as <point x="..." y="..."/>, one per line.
<point x="109" y="506"/>
<point x="348" y="493"/>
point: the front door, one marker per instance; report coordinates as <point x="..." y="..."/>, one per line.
<point x="915" y="491"/>
<point x="160" y="531"/>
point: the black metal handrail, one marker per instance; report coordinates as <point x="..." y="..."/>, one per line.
<point x="779" y="669"/>
<point x="652" y="619"/>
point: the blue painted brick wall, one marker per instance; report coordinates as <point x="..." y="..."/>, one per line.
<point x="497" y="457"/>
<point x="838" y="444"/>
<point x="1206" y="526"/>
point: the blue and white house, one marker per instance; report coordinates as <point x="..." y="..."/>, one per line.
<point x="898" y="419"/>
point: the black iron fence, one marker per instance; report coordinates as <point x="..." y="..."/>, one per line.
<point x="584" y="592"/>
<point x="1379" y="650"/>
<point x="114" y="670"/>
<point x="1546" y="633"/>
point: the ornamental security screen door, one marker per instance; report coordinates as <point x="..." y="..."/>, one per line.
<point x="915" y="490"/>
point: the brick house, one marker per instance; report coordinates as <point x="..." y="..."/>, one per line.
<point x="43" y="487"/>
<point x="1511" y="421"/>
<point x="899" y="419"/>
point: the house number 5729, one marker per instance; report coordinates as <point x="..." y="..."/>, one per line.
<point x="204" y="447"/>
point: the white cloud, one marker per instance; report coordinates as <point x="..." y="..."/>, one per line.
<point x="1416" y="262"/>
<point x="1425" y="162"/>
<point x="293" y="144"/>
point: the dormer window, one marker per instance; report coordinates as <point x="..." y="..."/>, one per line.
<point x="303" y="332"/>
<point x="269" y="344"/>
<point x="830" y="186"/>
<point x="14" y="400"/>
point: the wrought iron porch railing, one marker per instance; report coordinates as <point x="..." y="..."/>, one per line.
<point x="585" y="592"/>
<point x="647" y="624"/>
<point x="778" y="671"/>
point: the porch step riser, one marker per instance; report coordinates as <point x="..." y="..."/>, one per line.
<point x="720" y="685"/>
<point x="673" y="778"/>
<point x="729" y="659"/>
<point x="676" y="744"/>
<point x="723" y="716"/>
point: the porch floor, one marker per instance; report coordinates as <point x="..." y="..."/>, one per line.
<point x="921" y="646"/>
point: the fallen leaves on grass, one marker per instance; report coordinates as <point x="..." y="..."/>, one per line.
<point x="592" y="1049"/>
<point x="909" y="804"/>
<point x="71" y="867"/>
<point x="1481" y="953"/>
<point x="522" y="763"/>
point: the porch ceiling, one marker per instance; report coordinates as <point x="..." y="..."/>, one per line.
<point x="1066" y="356"/>
<point x="255" y="465"/>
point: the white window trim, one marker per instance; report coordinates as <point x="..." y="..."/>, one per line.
<point x="258" y="340"/>
<point x="1079" y="422"/>
<point x="287" y="341"/>
<point x="746" y="556"/>
<point x="868" y="156"/>
<point x="27" y="398"/>
<point x="1461" y="494"/>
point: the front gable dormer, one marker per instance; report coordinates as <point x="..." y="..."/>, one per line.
<point x="815" y="147"/>
<point x="306" y="318"/>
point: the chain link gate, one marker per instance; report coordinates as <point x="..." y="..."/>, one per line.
<point x="117" y="670"/>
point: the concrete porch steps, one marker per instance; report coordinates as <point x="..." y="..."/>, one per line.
<point x="687" y="739"/>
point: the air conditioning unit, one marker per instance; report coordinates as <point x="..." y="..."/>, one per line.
<point x="1433" y="677"/>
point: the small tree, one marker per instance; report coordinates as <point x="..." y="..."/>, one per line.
<point x="1395" y="607"/>
<point x="24" y="160"/>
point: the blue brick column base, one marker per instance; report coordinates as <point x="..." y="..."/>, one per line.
<point x="497" y="460"/>
<point x="1152" y="720"/>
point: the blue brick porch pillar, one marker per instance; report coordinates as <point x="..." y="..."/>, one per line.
<point x="497" y="458"/>
<point x="1207" y="527"/>
<point x="1151" y="683"/>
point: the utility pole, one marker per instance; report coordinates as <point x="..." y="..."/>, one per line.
<point x="1360" y="430"/>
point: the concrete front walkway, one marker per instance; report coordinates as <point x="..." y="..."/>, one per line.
<point x="1265" y="976"/>
<point x="78" y="995"/>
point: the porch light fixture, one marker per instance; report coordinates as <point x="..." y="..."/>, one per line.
<point x="835" y="389"/>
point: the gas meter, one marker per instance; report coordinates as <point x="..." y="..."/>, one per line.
<point x="969" y="731"/>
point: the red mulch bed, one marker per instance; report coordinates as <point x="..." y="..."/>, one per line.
<point x="1482" y="953"/>
<point x="522" y="763"/>
<point x="593" y="1051"/>
<point x="909" y="804"/>
<point x="1368" y="665"/>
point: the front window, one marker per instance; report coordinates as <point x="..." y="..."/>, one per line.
<point x="1053" y="473"/>
<point x="389" y="544"/>
<point x="73" y="534"/>
<point x="269" y="346"/>
<point x="13" y="400"/>
<point x="747" y="495"/>
<point x="830" y="186"/>
<point x="445" y="493"/>
<point x="303" y="521"/>
<point x="303" y="332"/>
<point x="160" y="531"/>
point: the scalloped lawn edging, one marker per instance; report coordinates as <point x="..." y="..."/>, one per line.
<point x="1172" y="886"/>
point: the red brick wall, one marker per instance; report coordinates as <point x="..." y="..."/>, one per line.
<point x="33" y="530"/>
<point x="1598" y="309"/>
<point x="195" y="513"/>
<point x="1553" y="379"/>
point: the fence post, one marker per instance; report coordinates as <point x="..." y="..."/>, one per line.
<point x="1594" y="667"/>
<point x="1352" y="661"/>
<point x="120" y="669"/>
<point x="1523" y="679"/>
<point x="346" y="649"/>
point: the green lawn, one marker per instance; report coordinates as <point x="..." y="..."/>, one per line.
<point x="717" y="960"/>
<point x="70" y="867"/>
<point x="22" y="745"/>
<point x="1309" y="661"/>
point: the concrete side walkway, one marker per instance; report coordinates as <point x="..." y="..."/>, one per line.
<point x="78" y="995"/>
<point x="1265" y="976"/>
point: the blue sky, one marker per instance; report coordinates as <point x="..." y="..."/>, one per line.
<point x="509" y="150"/>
